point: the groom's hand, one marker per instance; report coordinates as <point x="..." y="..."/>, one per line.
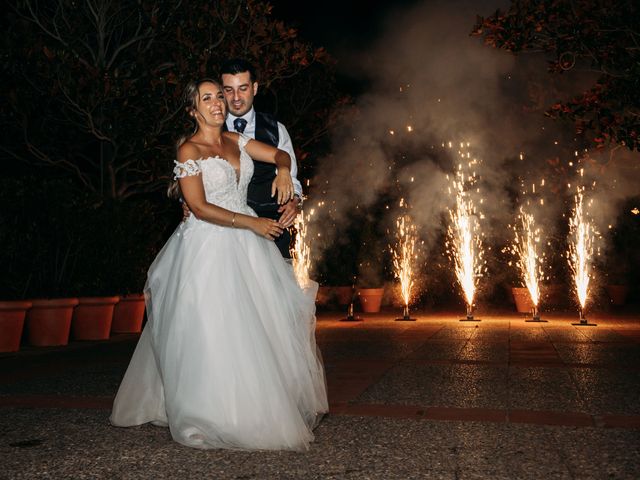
<point x="186" y="213"/>
<point x="283" y="186"/>
<point x="289" y="212"/>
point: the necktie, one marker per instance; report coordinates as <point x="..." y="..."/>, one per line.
<point x="239" y="124"/>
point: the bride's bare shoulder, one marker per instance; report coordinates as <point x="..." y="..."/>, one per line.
<point x="188" y="151"/>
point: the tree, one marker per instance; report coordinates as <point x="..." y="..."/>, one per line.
<point x="600" y="36"/>
<point x="94" y="86"/>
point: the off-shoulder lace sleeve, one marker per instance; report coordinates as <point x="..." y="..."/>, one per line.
<point x="186" y="169"/>
<point x="243" y="140"/>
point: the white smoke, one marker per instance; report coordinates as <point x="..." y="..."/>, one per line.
<point x="431" y="83"/>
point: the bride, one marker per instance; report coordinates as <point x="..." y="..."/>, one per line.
<point x="228" y="357"/>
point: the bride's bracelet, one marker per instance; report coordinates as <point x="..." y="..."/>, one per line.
<point x="233" y="220"/>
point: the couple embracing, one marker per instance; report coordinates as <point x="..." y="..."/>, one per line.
<point x="228" y="357"/>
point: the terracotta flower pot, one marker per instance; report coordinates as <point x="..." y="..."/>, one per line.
<point x="522" y="298"/>
<point x="12" y="315"/>
<point x="128" y="314"/>
<point x="343" y="294"/>
<point x="617" y="294"/>
<point x="370" y="299"/>
<point x="92" y="318"/>
<point x="48" y="321"/>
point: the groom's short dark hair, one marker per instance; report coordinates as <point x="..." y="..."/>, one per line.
<point x="238" y="65"/>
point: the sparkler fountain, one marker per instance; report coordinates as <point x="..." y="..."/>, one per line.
<point x="302" y="249"/>
<point x="464" y="242"/>
<point x="351" y="316"/>
<point x="529" y="259"/>
<point x="580" y="253"/>
<point x="404" y="256"/>
<point x="302" y="258"/>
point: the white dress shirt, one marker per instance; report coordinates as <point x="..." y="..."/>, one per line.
<point x="284" y="143"/>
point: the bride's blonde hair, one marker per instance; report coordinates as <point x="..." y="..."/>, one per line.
<point x="190" y="103"/>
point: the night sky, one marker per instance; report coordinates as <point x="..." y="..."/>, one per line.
<point x="336" y="24"/>
<point x="341" y="27"/>
<point x="348" y="28"/>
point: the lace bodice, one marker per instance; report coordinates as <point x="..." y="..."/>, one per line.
<point x="223" y="186"/>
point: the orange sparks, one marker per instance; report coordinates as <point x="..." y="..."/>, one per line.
<point x="302" y="249"/>
<point x="464" y="242"/>
<point x="529" y="259"/>
<point x="580" y="253"/>
<point x="404" y="255"/>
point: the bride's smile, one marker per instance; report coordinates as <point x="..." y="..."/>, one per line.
<point x="212" y="103"/>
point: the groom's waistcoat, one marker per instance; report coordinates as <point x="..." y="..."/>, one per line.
<point x="259" y="192"/>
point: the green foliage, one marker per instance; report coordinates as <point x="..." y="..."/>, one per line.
<point x="93" y="94"/>
<point x="357" y="253"/>
<point x="599" y="36"/>
<point x="119" y="241"/>
<point x="372" y="255"/>
<point x="60" y="241"/>
<point x="93" y="88"/>
<point x="338" y="265"/>
<point x="40" y="243"/>
<point x="622" y="261"/>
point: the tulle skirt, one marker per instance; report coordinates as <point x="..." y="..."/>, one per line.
<point x="228" y="357"/>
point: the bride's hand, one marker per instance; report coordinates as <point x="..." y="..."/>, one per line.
<point x="284" y="185"/>
<point x="267" y="228"/>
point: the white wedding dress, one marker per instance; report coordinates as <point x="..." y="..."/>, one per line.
<point x="228" y="357"/>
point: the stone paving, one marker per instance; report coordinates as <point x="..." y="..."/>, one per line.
<point x="436" y="398"/>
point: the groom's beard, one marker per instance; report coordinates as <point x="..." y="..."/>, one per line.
<point x="240" y="110"/>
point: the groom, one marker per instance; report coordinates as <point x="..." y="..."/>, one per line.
<point x="240" y="85"/>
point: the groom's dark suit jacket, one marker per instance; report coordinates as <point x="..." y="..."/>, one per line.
<point x="259" y="192"/>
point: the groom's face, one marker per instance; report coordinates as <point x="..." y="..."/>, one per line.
<point x="239" y="91"/>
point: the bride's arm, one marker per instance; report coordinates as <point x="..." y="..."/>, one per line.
<point x="266" y="153"/>
<point x="194" y="195"/>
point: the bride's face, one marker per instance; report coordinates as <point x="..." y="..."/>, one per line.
<point x="212" y="108"/>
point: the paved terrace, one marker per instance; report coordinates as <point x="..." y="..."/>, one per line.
<point x="436" y="398"/>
